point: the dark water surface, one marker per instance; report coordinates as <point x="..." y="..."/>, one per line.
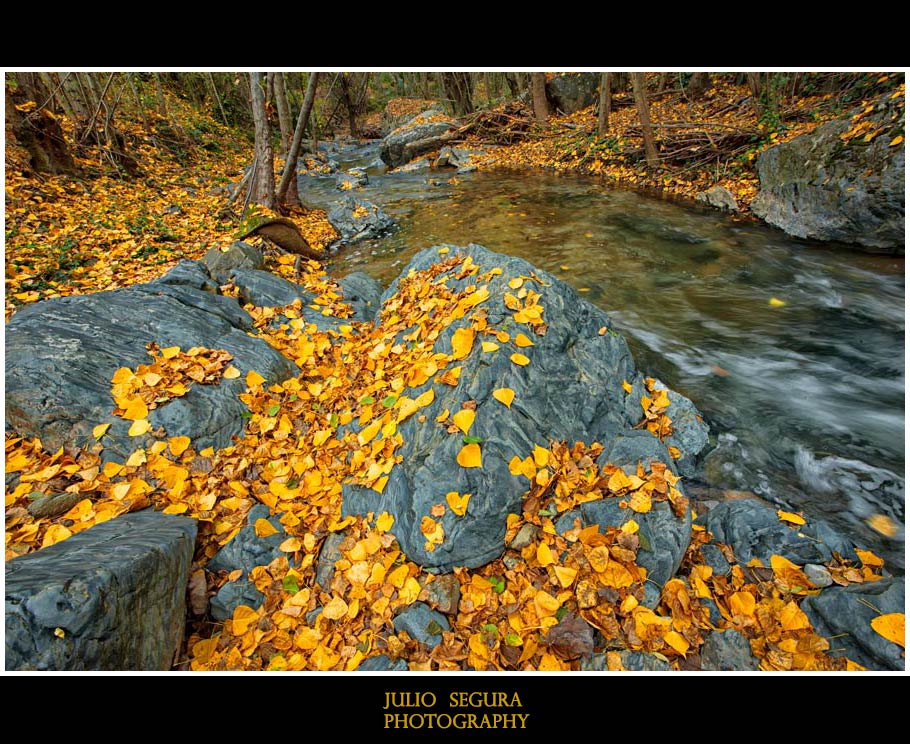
<point x="805" y="399"/>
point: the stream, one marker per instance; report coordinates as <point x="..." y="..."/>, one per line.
<point x="805" y="399"/>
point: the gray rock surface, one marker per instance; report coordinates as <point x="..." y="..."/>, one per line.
<point x="111" y="598"/>
<point x="264" y="289"/>
<point x="371" y="222"/>
<point x="361" y="292"/>
<point x="719" y="197"/>
<point x="753" y="530"/>
<point x="727" y="651"/>
<point x="351" y="179"/>
<point x="845" y="613"/>
<point x="819" y="186"/>
<point x="632" y="661"/>
<point x="417" y="137"/>
<point x="422" y="624"/>
<point x="571" y="391"/>
<point x="61" y="354"/>
<point x="444" y="594"/>
<point x="238" y="255"/>
<point x="383" y="663"/>
<point x="573" y="91"/>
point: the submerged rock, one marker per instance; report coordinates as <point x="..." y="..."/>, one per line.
<point x="358" y="219"/>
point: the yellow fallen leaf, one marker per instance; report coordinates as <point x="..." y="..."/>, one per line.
<point x="458" y="503"/>
<point x="523" y="341"/>
<point x="785" y="516"/>
<point x="98" y="432"/>
<point x="869" y="558"/>
<point x="463" y="419"/>
<point x="443" y="251"/>
<point x="504" y="396"/>
<point x="178" y="445"/>
<point x="384" y="522"/>
<point x="253" y="378"/>
<point x="565" y="575"/>
<point x="231" y="373"/>
<point x="546" y="604"/>
<point x="520" y="359"/>
<point x="462" y="342"/>
<point x="630" y="527"/>
<point x="55" y="533"/>
<point x="545" y="555"/>
<point x="335" y="609"/>
<point x="676" y="642"/>
<point x="489" y="346"/>
<point x="793" y="618"/>
<point x="469" y="456"/>
<point x="563" y="267"/>
<point x="170" y="352"/>
<point x="243" y="619"/>
<point x="742" y="603"/>
<point x="410" y="591"/>
<point x="891" y="627"/>
<point x="896" y="141"/>
<point x="425" y="398"/>
<point x="674" y="452"/>
<point x="626" y="386"/>
<point x="264" y="528"/>
<point x="516" y="282"/>
<point x="291" y="545"/>
<point x="882" y="524"/>
<point x="774" y="302"/>
<point x="135" y="410"/>
<point x="139" y="428"/>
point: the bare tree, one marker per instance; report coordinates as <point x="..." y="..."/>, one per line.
<point x="263" y="186"/>
<point x="287" y="189"/>
<point x="699" y="84"/>
<point x="604" y="106"/>
<point x="459" y="89"/>
<point x="284" y="112"/>
<point x="539" y="96"/>
<point x="640" y="92"/>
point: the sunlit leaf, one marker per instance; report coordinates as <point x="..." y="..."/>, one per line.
<point x="458" y="503"/>
<point x="676" y="642"/>
<point x="520" y="359"/>
<point x="462" y="342"/>
<point x="523" y="341"/>
<point x="489" y="346"/>
<point x="178" y="445"/>
<point x="97" y="432"/>
<point x="140" y="427"/>
<point x="264" y="528"/>
<point x="253" y="378"/>
<point x="504" y="396"/>
<point x="463" y="419"/>
<point x="883" y="524"/>
<point x="469" y="456"/>
<point x="384" y="522"/>
<point x="891" y="627"/>
<point x="243" y="619"/>
<point x="545" y="555"/>
<point x="775" y="302"/>
<point x="231" y="373"/>
<point x="785" y="516"/>
<point x="336" y="609"/>
<point x="742" y="603"/>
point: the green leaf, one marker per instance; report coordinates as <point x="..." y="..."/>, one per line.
<point x="273" y="409"/>
<point x="561" y="613"/>
<point x="389" y="401"/>
<point x="368" y="400"/>
<point x="470" y="439"/>
<point x="490" y="628"/>
<point x="333" y="420"/>
<point x="499" y="586"/>
<point x="246" y="414"/>
<point x="434" y="628"/>
<point x="289" y="584"/>
<point x="512" y="639"/>
<point x="644" y="541"/>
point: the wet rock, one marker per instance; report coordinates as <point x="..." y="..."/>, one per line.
<point x="444" y="594"/>
<point x="61" y="354"/>
<point x="573" y="91"/>
<point x="383" y="663"/>
<point x="571" y="391"/>
<point x="351" y="179"/>
<point x="818" y="575"/>
<point x="357" y="219"/>
<point x="715" y="559"/>
<point x="111" y="598"/>
<point x="328" y="554"/>
<point x="419" y="164"/>
<point x="526" y="534"/>
<point x="719" y="197"/>
<point x="753" y="530"/>
<point x="727" y="651"/>
<point x="244" y="552"/>
<point x="845" y="614"/>
<point x="238" y="255"/>
<point x="361" y="292"/>
<point x="819" y="186"/>
<point x="264" y="289"/>
<point x="632" y="661"/>
<point x="422" y="624"/>
<point x="422" y="134"/>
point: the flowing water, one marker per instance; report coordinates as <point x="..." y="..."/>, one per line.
<point x="805" y="399"/>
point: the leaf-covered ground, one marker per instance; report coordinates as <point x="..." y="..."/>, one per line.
<point x="534" y="608"/>
<point x="703" y="142"/>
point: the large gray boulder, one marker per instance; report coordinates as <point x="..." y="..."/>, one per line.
<point x="62" y="353"/>
<point x="573" y="91"/>
<point x="571" y="391"/>
<point x="822" y="187"/>
<point x="107" y="599"/>
<point x="422" y="134"/>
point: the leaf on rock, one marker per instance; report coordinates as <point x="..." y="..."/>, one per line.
<point x="264" y="528"/>
<point x="890" y="626"/>
<point x="463" y="419"/>
<point x="785" y="516"/>
<point x="469" y="456"/>
<point x="504" y="396"/>
<point x="462" y="342"/>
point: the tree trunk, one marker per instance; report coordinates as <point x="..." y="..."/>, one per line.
<point x="640" y="92"/>
<point x="604" y="106"/>
<point x="218" y="98"/>
<point x="162" y="104"/>
<point x="348" y="103"/>
<point x="287" y="189"/>
<point x="263" y="186"/>
<point x="284" y="113"/>
<point x="459" y="89"/>
<point x="699" y="84"/>
<point x="755" y="87"/>
<point x="539" y="96"/>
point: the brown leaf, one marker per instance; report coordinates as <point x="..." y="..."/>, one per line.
<point x="571" y="638"/>
<point x="197" y="593"/>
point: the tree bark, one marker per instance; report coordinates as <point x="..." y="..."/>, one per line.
<point x="348" y="103"/>
<point x="284" y="113"/>
<point x="604" y="106"/>
<point x="459" y="89"/>
<point x="699" y="84"/>
<point x="218" y="99"/>
<point x="287" y="189"/>
<point x="639" y="91"/>
<point x="263" y="185"/>
<point x="539" y="96"/>
<point x="755" y="86"/>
